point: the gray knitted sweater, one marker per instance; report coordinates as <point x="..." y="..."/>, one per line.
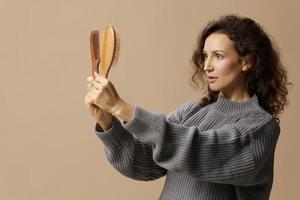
<point x="222" y="151"/>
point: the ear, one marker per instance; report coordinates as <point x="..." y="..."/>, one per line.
<point x="247" y="62"/>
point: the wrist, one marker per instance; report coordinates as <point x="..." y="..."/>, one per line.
<point x="105" y="126"/>
<point x="106" y="121"/>
<point x="123" y="111"/>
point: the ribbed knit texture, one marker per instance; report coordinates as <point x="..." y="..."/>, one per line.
<point x="222" y="151"/>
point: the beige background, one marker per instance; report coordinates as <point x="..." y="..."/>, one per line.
<point x="48" y="148"/>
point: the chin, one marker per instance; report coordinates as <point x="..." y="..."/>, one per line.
<point x="214" y="88"/>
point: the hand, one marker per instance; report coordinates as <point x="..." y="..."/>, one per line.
<point x="102" y="117"/>
<point x="104" y="94"/>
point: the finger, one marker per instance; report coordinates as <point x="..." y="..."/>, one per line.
<point x="100" y="78"/>
<point x="94" y="84"/>
<point x="95" y="92"/>
<point x="96" y="74"/>
<point x="89" y="79"/>
<point x="90" y="86"/>
<point x="93" y="96"/>
<point x="98" y="85"/>
<point x="92" y="107"/>
<point x="90" y="103"/>
<point x="88" y="99"/>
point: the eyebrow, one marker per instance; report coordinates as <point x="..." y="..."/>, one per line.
<point x="215" y="51"/>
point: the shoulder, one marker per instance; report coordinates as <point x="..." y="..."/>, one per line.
<point x="188" y="105"/>
<point x="259" y="120"/>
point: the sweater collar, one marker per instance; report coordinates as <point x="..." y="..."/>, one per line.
<point x="227" y="105"/>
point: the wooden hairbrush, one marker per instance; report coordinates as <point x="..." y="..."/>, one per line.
<point x="104" y="53"/>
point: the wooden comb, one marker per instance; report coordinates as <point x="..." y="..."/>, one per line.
<point x="104" y="54"/>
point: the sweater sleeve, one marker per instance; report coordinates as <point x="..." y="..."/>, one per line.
<point x="126" y="154"/>
<point x="130" y="156"/>
<point x="232" y="154"/>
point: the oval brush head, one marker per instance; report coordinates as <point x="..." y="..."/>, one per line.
<point x="109" y="49"/>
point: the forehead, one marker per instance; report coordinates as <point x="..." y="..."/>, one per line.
<point x="218" y="41"/>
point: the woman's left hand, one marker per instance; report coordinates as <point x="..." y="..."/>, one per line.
<point x="104" y="94"/>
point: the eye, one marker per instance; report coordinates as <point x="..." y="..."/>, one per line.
<point x="219" y="56"/>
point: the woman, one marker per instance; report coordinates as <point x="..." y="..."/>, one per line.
<point x="219" y="147"/>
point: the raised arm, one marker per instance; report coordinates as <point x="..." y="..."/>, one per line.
<point x="233" y="154"/>
<point x="130" y="156"/>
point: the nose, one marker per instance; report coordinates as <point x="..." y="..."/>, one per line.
<point x="207" y="65"/>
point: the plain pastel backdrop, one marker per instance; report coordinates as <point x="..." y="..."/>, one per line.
<point x="48" y="148"/>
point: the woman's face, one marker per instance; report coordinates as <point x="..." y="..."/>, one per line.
<point x="222" y="61"/>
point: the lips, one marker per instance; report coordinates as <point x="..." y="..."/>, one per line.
<point x="212" y="79"/>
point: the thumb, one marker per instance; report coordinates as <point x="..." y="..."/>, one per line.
<point x="96" y="74"/>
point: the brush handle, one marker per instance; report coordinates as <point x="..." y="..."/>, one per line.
<point x="95" y="51"/>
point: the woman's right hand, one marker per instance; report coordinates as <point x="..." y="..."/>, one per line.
<point x="102" y="117"/>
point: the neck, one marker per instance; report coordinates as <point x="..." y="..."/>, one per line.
<point x="238" y="97"/>
<point x="237" y="93"/>
<point x="226" y="105"/>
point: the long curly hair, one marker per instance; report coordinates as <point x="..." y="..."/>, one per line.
<point x="267" y="77"/>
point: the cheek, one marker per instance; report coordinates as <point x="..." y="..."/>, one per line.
<point x="224" y="68"/>
<point x="227" y="71"/>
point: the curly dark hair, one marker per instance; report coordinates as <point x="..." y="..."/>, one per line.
<point x="267" y="77"/>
